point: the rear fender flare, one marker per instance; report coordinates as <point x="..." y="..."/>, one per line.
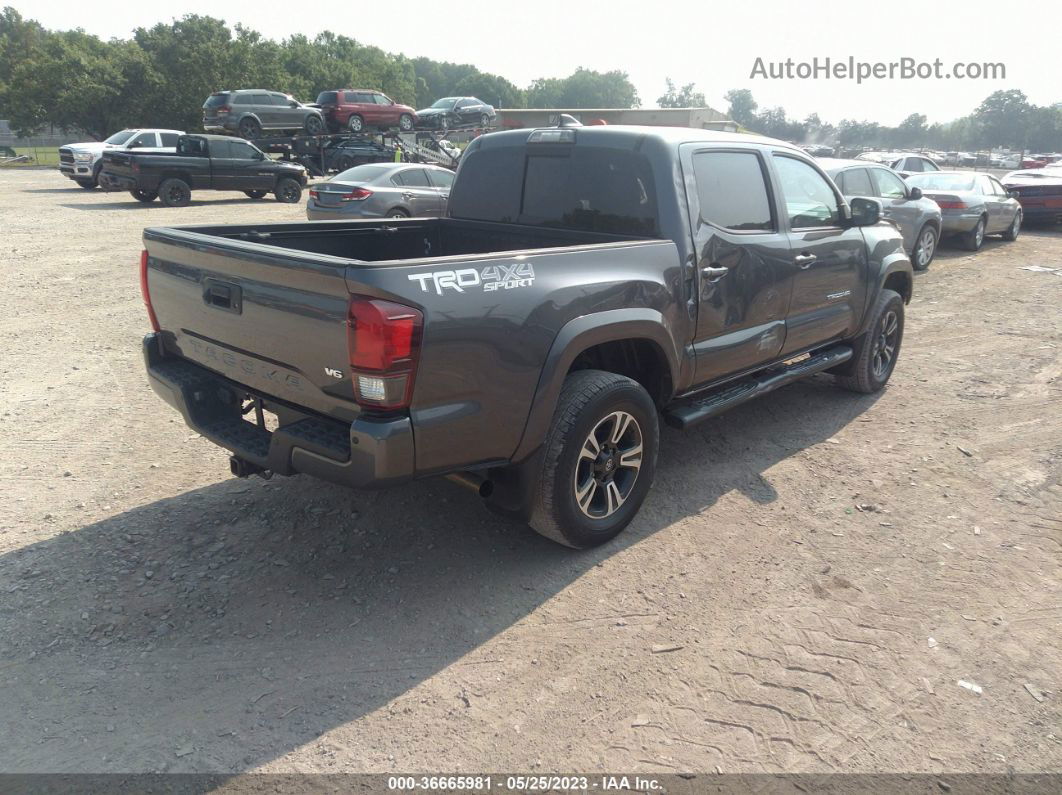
<point x="575" y="337"/>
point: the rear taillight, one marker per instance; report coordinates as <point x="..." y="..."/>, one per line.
<point x="955" y="205"/>
<point x="313" y="193"/>
<point x="223" y="109"/>
<point x="384" y="342"/>
<point x="356" y="195"/>
<point x="145" y="293"/>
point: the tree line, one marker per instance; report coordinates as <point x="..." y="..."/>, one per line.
<point x="1003" y="119"/>
<point x="161" y="76"/>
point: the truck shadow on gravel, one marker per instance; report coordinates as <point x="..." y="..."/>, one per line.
<point x="221" y="628"/>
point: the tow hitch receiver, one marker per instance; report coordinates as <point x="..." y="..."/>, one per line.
<point x="242" y="468"/>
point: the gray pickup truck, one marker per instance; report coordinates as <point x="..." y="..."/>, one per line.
<point x="586" y="282"/>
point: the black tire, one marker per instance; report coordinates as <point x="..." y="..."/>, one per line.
<point x="175" y="192"/>
<point x="405" y="122"/>
<point x="145" y="196"/>
<point x="344" y="162"/>
<point x="87" y="184"/>
<point x="484" y="120"/>
<point x="255" y="194"/>
<point x="928" y="238"/>
<point x="314" y="125"/>
<point x="574" y="485"/>
<point x="876" y="351"/>
<point x="250" y="128"/>
<point x="1014" y="229"/>
<point x="973" y="239"/>
<point x="355" y="123"/>
<point x="288" y="191"/>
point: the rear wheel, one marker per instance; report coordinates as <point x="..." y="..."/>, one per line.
<point x="925" y="247"/>
<point x="356" y="123"/>
<point x="345" y="162"/>
<point x="398" y="212"/>
<point x="250" y="128"/>
<point x="600" y="459"/>
<point x="314" y="125"/>
<point x="876" y="351"/>
<point x="175" y="193"/>
<point x="1014" y="228"/>
<point x="405" y="122"/>
<point x="484" y="120"/>
<point x="146" y="196"/>
<point x="288" y="191"/>
<point x="973" y="239"/>
<point x="255" y="194"/>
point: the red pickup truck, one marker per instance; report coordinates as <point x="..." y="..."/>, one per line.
<point x="356" y="109"/>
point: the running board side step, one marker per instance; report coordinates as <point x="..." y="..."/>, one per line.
<point x="687" y="414"/>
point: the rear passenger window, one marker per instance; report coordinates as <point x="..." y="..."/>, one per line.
<point x="732" y="191"/>
<point x="889" y="185"/>
<point x="169" y="139"/>
<point x="855" y="182"/>
<point x="809" y="200"/>
<point x="262" y="99"/>
<point x="242" y="99"/>
<point x="414" y="177"/>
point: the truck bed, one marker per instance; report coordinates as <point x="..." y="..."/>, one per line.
<point x="402" y="241"/>
<point x="266" y="307"/>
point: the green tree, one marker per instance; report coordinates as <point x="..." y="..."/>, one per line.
<point x="1002" y="118"/>
<point x="685" y="97"/>
<point x="584" y="88"/>
<point x="742" y="107"/>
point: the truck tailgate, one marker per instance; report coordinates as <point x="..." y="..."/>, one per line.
<point x="274" y="321"/>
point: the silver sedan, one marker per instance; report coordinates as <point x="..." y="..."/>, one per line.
<point x="918" y="218"/>
<point x="972" y="205"/>
<point x="382" y="190"/>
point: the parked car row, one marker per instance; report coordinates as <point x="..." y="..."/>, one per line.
<point x="930" y="205"/>
<point x="250" y="113"/>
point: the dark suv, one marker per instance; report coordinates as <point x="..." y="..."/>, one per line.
<point x="250" y="111"/>
<point x="358" y="108"/>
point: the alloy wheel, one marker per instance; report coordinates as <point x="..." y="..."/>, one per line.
<point x="885" y="344"/>
<point x="608" y="466"/>
<point x="927" y="244"/>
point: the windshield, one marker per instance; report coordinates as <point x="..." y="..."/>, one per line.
<point x="449" y="102"/>
<point x="120" y="138"/>
<point x="597" y="189"/>
<point x="361" y="174"/>
<point x="327" y="98"/>
<point x="941" y="181"/>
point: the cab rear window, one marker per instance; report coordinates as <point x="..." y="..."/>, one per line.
<point x="597" y="189"/>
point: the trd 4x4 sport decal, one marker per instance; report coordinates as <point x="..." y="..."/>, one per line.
<point x="491" y="278"/>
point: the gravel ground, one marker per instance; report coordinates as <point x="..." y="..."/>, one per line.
<point x="811" y="581"/>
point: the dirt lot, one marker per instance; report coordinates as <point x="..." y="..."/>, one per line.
<point x="828" y="565"/>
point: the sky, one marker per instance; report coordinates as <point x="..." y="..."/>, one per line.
<point x="712" y="44"/>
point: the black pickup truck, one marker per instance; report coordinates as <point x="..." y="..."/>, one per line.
<point x="587" y="281"/>
<point x="202" y="162"/>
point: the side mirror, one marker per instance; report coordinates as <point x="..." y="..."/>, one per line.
<point x="1013" y="194"/>
<point x="293" y="104"/>
<point x="915" y="193"/>
<point x="865" y="212"/>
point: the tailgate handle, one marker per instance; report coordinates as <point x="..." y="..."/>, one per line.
<point x="223" y="295"/>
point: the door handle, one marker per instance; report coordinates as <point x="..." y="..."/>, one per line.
<point x="804" y="260"/>
<point x="714" y="274"/>
<point x="407" y="196"/>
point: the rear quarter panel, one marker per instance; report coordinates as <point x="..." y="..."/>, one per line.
<point x="485" y="347"/>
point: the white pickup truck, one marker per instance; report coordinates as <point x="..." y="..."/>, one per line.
<point x="82" y="162"/>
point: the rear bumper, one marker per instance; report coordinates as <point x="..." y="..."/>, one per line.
<point x="368" y="453"/>
<point x="113" y="182"/>
<point x="1038" y="210"/>
<point x="958" y="223"/>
